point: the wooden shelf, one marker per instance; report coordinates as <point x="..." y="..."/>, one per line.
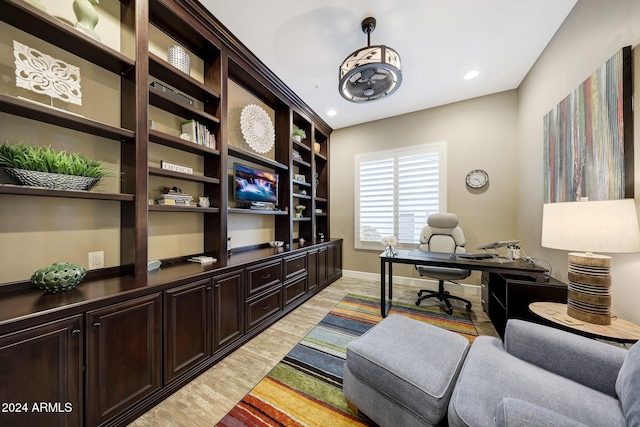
<point x="301" y="162"/>
<point x="245" y="155"/>
<point x="29" y="19"/>
<point x="319" y="156"/>
<point x="181" y="81"/>
<point x="72" y="194"/>
<point x="320" y="199"/>
<point x="301" y="196"/>
<point x="36" y="111"/>
<point x="183" y="176"/>
<point x="301" y="145"/>
<point x="180" y="144"/>
<point x="303" y="219"/>
<point x="296" y="182"/>
<point x="256" y="211"/>
<point x="168" y="103"/>
<point x="193" y="209"/>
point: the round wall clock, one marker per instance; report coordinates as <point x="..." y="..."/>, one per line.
<point x="477" y="178"/>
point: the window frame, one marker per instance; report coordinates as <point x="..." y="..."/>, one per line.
<point x="435" y="147"/>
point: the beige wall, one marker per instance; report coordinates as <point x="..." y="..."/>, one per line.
<point x="480" y="134"/>
<point x="591" y="34"/>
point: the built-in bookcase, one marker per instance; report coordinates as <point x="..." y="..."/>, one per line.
<point x="143" y="142"/>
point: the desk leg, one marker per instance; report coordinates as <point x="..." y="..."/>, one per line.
<point x="383" y="291"/>
<point x="385" y="305"/>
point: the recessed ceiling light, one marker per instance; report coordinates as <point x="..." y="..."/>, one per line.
<point x="331" y="113"/>
<point x="471" y="75"/>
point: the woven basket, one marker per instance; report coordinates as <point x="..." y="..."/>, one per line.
<point x="51" y="180"/>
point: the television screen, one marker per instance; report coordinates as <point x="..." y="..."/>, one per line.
<point x="254" y="185"/>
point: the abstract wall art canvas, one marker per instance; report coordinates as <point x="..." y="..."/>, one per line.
<point x="588" y="137"/>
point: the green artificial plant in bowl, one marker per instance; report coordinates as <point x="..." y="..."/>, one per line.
<point x="299" y="133"/>
<point x="44" y="166"/>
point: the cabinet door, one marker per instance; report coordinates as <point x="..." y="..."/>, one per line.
<point x="42" y="366"/>
<point x="124" y="356"/>
<point x="322" y="266"/>
<point x="228" y="303"/>
<point x="331" y="262"/>
<point x="312" y="271"/>
<point x="187" y="327"/>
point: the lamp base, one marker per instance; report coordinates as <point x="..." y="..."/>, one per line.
<point x="589" y="296"/>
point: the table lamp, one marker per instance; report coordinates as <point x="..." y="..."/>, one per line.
<point x="604" y="226"/>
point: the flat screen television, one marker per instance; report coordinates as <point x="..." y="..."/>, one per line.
<point x="254" y="186"/>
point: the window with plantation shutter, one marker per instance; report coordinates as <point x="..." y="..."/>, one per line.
<point x="395" y="191"/>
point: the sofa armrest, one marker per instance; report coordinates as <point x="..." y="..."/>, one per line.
<point x="587" y="361"/>
<point x="519" y="413"/>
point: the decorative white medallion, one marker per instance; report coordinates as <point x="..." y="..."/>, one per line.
<point x="45" y="75"/>
<point x="257" y="128"/>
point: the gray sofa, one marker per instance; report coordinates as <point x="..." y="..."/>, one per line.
<point x="542" y="376"/>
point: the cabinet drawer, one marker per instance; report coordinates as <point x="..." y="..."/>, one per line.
<point x="263" y="308"/>
<point x="262" y="277"/>
<point x="295" y="290"/>
<point x="295" y="266"/>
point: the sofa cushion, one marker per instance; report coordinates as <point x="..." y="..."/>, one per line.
<point x="490" y="373"/>
<point x="518" y="413"/>
<point x="411" y="362"/>
<point x="628" y="386"/>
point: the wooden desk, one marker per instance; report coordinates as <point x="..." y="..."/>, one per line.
<point x="418" y="257"/>
<point x="619" y="330"/>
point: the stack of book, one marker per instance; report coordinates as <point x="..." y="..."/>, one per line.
<point x="174" y="199"/>
<point x="203" y="259"/>
<point x="199" y="134"/>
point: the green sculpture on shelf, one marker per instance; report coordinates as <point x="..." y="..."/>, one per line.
<point x="87" y="16"/>
<point x="58" y="277"/>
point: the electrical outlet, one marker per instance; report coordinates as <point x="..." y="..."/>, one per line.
<point x="96" y="260"/>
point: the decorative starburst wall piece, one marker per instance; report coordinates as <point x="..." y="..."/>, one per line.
<point x="257" y="128"/>
<point x="45" y="75"/>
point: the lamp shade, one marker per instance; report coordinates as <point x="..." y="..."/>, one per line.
<point x="600" y="226"/>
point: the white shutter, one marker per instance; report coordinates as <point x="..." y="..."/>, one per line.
<point x="395" y="191"/>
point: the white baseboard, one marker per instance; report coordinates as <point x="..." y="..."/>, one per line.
<point x="415" y="282"/>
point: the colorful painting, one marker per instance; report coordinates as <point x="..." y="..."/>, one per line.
<point x="588" y="137"/>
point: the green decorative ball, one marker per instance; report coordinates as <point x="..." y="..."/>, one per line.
<point x="58" y="277"/>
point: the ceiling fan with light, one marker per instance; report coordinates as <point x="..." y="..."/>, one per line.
<point x="370" y="73"/>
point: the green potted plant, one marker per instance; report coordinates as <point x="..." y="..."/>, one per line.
<point x="299" y="134"/>
<point x="42" y="166"/>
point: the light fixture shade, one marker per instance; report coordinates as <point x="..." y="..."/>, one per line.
<point x="370" y="73"/>
<point x="609" y="226"/>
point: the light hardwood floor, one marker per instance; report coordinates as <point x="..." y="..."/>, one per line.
<point x="205" y="400"/>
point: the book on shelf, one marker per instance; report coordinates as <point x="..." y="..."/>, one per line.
<point x="198" y="133"/>
<point x="174" y="199"/>
<point x="202" y="259"/>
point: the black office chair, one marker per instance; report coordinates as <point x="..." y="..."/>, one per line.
<point x="442" y="234"/>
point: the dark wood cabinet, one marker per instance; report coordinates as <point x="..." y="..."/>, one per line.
<point x="334" y="260"/>
<point x="322" y="267"/>
<point x="294" y="290"/>
<point x="262" y="308"/>
<point x="508" y="297"/>
<point x="42" y="366"/>
<point x="228" y="304"/>
<point x="312" y="270"/>
<point x="263" y="276"/>
<point x="187" y="327"/>
<point x="124" y="356"/>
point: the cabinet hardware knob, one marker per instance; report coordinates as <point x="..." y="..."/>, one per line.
<point x="208" y="288"/>
<point x="483" y="301"/>
<point x="96" y="325"/>
<point x="266" y="277"/>
<point x="266" y="306"/>
<point x="75" y="332"/>
<point x="216" y="286"/>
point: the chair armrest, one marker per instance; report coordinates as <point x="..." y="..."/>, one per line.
<point x="519" y="413"/>
<point x="587" y="361"/>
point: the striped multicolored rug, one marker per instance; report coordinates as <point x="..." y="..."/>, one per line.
<point x="305" y="388"/>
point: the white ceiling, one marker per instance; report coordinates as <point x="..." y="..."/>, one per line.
<point x="304" y="42"/>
